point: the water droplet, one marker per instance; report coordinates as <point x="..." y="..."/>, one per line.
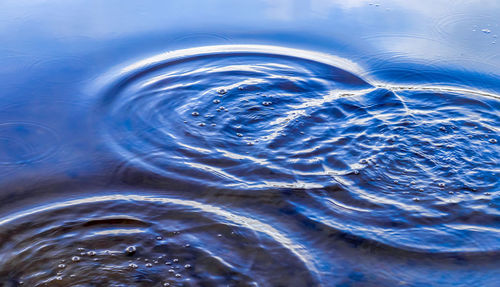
<point x="195" y="114"/>
<point x="486" y="31"/>
<point x="133" y="265"/>
<point x="187" y="266"/>
<point x="266" y="103"/>
<point x="91" y="253"/>
<point x="238" y="134"/>
<point x="75" y="258"/>
<point x="441" y="184"/>
<point x="201" y="124"/>
<point x="166" y="284"/>
<point x="130" y="250"/>
<point x="61" y="265"/>
<point x="175" y="260"/>
<point x="59" y="278"/>
<point x="171" y="271"/>
<point x="356" y="171"/>
<point x="168" y="263"/>
<point x="178" y="275"/>
<point x="216" y="101"/>
<point x="159" y="238"/>
<point x="149" y="265"/>
<point x="222" y="91"/>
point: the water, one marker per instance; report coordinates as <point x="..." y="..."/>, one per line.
<point x="300" y="143"/>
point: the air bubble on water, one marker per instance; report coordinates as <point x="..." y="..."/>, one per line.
<point x="175" y="260"/>
<point x="201" y="124"/>
<point x="356" y="171"/>
<point x="75" y="259"/>
<point x="187" y="245"/>
<point x="149" y="265"/>
<point x="416" y="199"/>
<point x="168" y="263"/>
<point x="130" y="250"/>
<point x="216" y="101"/>
<point x="59" y="278"/>
<point x="493" y="141"/>
<point x="166" y="284"/>
<point x="213" y="125"/>
<point x="91" y="253"/>
<point x="222" y="91"/>
<point x="171" y="271"/>
<point x="61" y="265"/>
<point x="486" y="31"/>
<point x="178" y="275"/>
<point x="442" y="128"/>
<point x="195" y="114"/>
<point x="266" y="103"/>
<point x="133" y="265"/>
<point x="187" y="266"/>
<point x="441" y="184"/>
<point x="159" y="238"/>
<point x="239" y="135"/>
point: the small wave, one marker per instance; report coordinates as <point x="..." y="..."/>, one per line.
<point x="140" y="240"/>
<point x="413" y="167"/>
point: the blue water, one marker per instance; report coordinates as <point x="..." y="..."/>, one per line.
<point x="274" y="143"/>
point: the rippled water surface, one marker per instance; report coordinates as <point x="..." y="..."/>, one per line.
<point x="276" y="143"/>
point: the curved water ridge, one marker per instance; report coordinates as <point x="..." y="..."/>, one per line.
<point x="427" y="171"/>
<point x="228" y="115"/>
<point x="138" y="240"/>
<point x="412" y="167"/>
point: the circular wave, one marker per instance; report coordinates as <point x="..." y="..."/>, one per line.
<point x="24" y="142"/>
<point x="408" y="166"/>
<point x="134" y="240"/>
<point x="227" y="115"/>
<point x="427" y="171"/>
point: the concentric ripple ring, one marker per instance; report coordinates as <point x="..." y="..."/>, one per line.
<point x="146" y="240"/>
<point x="412" y="167"/>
